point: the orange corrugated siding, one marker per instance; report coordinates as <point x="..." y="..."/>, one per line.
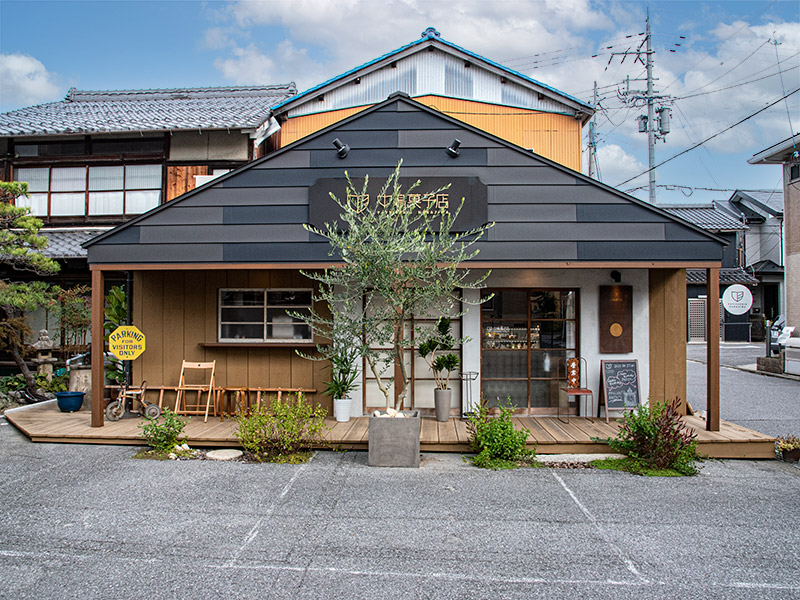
<point x="299" y="127"/>
<point x="557" y="137"/>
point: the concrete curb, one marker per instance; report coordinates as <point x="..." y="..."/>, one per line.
<point x="29" y="406"/>
<point x="751" y="370"/>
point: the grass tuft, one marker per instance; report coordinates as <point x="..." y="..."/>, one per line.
<point x="634" y="466"/>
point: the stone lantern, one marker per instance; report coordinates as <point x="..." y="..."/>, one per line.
<point x="44" y="355"/>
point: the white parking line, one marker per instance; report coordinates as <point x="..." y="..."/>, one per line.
<point x="627" y="562"/>
<point x="253" y="533"/>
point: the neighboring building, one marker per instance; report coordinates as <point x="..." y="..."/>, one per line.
<point x="451" y="80"/>
<point x="567" y="254"/>
<point x="99" y="158"/>
<point x="762" y="248"/>
<point x="103" y="157"/>
<point x="787" y="153"/>
<point x="713" y="219"/>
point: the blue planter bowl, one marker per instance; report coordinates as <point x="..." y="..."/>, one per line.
<point x="70" y="401"/>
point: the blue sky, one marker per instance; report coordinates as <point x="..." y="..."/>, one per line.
<point x="725" y="62"/>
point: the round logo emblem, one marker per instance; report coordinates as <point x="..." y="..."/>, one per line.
<point x="737" y="299"/>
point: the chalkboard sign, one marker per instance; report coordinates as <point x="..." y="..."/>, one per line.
<point x="619" y="384"/>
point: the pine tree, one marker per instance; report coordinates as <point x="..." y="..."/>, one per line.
<point x="20" y="249"/>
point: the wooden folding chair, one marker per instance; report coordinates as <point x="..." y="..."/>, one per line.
<point x="184" y="389"/>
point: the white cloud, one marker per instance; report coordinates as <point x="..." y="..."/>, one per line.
<point x="616" y="165"/>
<point x="355" y="31"/>
<point x="26" y="81"/>
<point x="216" y="38"/>
<point x="250" y="66"/>
<point x="551" y="41"/>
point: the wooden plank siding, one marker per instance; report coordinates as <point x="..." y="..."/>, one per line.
<point x="45" y="423"/>
<point x="557" y="137"/>
<point x="177" y="312"/>
<point x="180" y="179"/>
<point x="668" y="335"/>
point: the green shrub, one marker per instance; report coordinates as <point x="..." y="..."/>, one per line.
<point x="163" y="436"/>
<point x="13" y="383"/>
<point x="656" y="438"/>
<point x="281" y="431"/>
<point x="495" y="441"/>
<point x="58" y="383"/>
<point x="787" y="443"/>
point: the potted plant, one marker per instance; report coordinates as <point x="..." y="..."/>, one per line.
<point x="789" y="447"/>
<point x="116" y="314"/>
<point x="344" y="373"/>
<point x="67" y="401"/>
<point x="441" y="365"/>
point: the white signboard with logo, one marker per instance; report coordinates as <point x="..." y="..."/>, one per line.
<point x="737" y="299"/>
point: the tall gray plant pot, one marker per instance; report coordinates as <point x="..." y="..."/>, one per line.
<point x="394" y="442"/>
<point x="441" y="399"/>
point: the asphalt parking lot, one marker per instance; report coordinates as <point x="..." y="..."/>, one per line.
<point x="90" y="522"/>
<point x="765" y="403"/>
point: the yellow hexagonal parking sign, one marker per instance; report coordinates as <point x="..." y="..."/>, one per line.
<point x="126" y="342"/>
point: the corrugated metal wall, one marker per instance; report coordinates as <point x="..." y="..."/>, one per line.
<point x="557" y="137"/>
<point x="430" y="73"/>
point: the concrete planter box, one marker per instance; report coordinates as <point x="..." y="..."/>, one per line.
<point x="772" y="364"/>
<point x="394" y="442"/>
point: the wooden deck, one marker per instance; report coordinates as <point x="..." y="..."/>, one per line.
<point x="45" y="423"/>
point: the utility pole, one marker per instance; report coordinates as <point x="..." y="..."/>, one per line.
<point x="651" y="134"/>
<point x="594" y="170"/>
<point x="656" y="128"/>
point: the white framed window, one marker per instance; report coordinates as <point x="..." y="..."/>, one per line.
<point x="260" y="315"/>
<point x="105" y="190"/>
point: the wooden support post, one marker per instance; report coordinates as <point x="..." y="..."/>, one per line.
<point x="98" y="348"/>
<point x="712" y="349"/>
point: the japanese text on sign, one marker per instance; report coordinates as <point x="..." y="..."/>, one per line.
<point x="429" y="203"/>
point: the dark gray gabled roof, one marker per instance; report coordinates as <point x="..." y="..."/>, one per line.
<point x="766" y="267"/>
<point x="542" y="210"/>
<point x="767" y="202"/>
<point x="115" y="111"/>
<point x="708" y="217"/>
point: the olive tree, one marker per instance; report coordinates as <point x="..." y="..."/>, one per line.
<point x="397" y="256"/>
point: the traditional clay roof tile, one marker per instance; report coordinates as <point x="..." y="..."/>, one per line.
<point x="85" y="111"/>
<point x="66" y="243"/>
<point x="709" y="218"/>
<point x="726" y="276"/>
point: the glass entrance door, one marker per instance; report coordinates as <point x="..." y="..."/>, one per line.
<point x="526" y="338"/>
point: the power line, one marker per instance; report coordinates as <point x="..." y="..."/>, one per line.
<point x="690" y="128"/>
<point x="788" y="114"/>
<point x="731" y="69"/>
<point x="728" y="87"/>
<point x="722" y="43"/>
<point x="750" y="116"/>
<point x="693" y="188"/>
<point x="520" y="58"/>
